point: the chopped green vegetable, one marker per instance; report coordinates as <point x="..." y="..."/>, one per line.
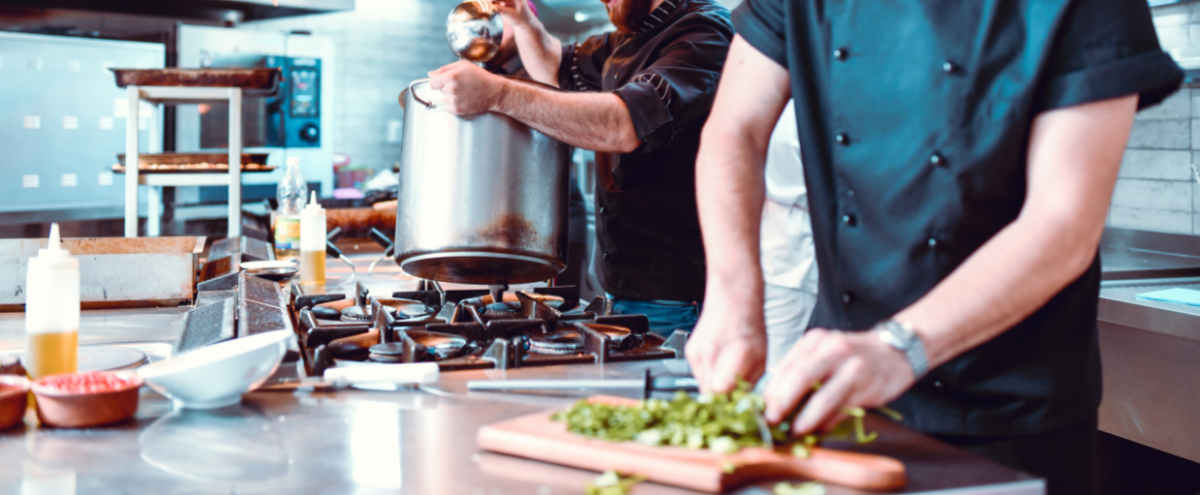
<point x="723" y="423"/>
<point x="808" y="488"/>
<point x="612" y="483"/>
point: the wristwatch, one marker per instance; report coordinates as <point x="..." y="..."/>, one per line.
<point x="903" y="338"/>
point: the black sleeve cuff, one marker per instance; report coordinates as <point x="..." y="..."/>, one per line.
<point x="750" y="23"/>
<point x="566" y="78"/>
<point x="648" y="111"/>
<point x="1152" y="75"/>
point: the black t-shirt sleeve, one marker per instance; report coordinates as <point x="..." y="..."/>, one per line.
<point x="1107" y="49"/>
<point x="763" y="24"/>
<point x="678" y="88"/>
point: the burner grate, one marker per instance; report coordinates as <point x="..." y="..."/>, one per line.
<point x="205" y="325"/>
<point x="261" y="306"/>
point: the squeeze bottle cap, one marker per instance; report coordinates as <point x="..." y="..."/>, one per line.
<point x="293" y="160"/>
<point x="313" y="205"/>
<point x="54" y="252"/>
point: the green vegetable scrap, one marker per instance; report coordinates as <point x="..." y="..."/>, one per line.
<point x="612" y="483"/>
<point x="723" y="423"/>
<point x="809" y="488"/>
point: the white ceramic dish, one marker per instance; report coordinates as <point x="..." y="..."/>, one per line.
<point x="218" y="375"/>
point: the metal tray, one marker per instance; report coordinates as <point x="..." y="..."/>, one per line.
<point x="114" y="271"/>
<point x="193" y="163"/>
<point x="254" y="82"/>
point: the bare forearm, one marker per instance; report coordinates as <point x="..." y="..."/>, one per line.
<point x="541" y="53"/>
<point x="729" y="183"/>
<point x="1074" y="157"/>
<point x="594" y="121"/>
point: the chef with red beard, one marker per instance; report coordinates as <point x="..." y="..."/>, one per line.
<point x="637" y="96"/>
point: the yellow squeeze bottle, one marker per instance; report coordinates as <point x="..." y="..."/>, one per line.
<point x="312" y="243"/>
<point x="52" y="310"/>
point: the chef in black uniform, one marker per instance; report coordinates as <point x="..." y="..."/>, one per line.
<point x="960" y="159"/>
<point x="638" y="97"/>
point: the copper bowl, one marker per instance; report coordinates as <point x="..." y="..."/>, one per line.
<point x="84" y="409"/>
<point x="14" y="396"/>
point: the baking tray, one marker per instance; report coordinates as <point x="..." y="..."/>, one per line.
<point x="254" y="82"/>
<point x="113" y="271"/>
<point x="193" y="163"/>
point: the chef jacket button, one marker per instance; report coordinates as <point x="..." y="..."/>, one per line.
<point x="849" y="220"/>
<point x="603" y="209"/>
<point x="842" y="139"/>
<point x="933" y="243"/>
<point x="847" y="297"/>
<point x="840" y="54"/>
<point x="949" y="67"/>
<point x="937" y="159"/>
<point x="850" y="192"/>
<point x="604" y="255"/>
<point x="938" y="384"/>
<point x="615" y="76"/>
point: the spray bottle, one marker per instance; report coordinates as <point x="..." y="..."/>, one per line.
<point x="312" y="243"/>
<point x="52" y="310"/>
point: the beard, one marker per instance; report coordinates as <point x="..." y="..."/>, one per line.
<point x="628" y="15"/>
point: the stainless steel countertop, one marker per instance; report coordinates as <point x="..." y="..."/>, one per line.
<point x="419" y="441"/>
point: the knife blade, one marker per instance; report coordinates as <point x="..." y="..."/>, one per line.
<point x="649" y="384"/>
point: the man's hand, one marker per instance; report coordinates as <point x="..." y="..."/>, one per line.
<point x="856" y="369"/>
<point x="467" y="88"/>
<point x="729" y="342"/>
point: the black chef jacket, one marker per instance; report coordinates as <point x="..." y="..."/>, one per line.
<point x="914" y="120"/>
<point x="647" y="229"/>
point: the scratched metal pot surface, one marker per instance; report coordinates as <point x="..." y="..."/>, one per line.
<point x="482" y="199"/>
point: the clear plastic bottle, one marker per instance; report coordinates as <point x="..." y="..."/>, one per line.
<point x="52" y="310"/>
<point x="292" y="192"/>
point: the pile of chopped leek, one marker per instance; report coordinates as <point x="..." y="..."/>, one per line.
<point x="612" y="483"/>
<point x="723" y="423"/>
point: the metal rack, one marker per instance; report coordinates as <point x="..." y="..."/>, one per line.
<point x="160" y="95"/>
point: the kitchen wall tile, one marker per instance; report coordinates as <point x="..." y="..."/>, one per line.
<point x="1195" y="197"/>
<point x="1173" y="38"/>
<point x="1157" y="164"/>
<point x="1161" y="134"/>
<point x="1176" y="106"/>
<point x="1196" y="223"/>
<point x="1171" y="15"/>
<point x="1153" y="194"/>
<point x="1155" y="220"/>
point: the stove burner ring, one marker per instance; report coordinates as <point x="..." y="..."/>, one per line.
<point x="560" y="342"/>
<point x="390" y="352"/>
<point x="502" y="309"/>
<point x="439" y="345"/>
<point x="362" y="313"/>
<point x="620" y="338"/>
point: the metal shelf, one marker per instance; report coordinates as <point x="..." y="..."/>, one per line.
<point x="161" y="95"/>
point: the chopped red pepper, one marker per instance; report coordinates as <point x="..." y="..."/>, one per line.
<point x="85" y="383"/>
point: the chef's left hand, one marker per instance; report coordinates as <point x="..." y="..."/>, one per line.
<point x="854" y="368"/>
<point x="467" y="88"/>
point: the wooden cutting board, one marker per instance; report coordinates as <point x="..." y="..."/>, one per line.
<point x="536" y="436"/>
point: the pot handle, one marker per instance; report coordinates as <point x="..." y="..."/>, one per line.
<point x="418" y="98"/>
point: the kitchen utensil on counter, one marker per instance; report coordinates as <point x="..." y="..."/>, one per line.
<point x="81" y="400"/>
<point x="482" y="199"/>
<point x="647" y="385"/>
<point x="275" y="271"/>
<point x="218" y="375"/>
<point x="369" y="376"/>
<point x="253" y="81"/>
<point x="14" y="396"/>
<point x="474" y="30"/>
<point x="536" y="436"/>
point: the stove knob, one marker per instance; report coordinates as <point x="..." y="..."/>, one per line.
<point x="310" y="133"/>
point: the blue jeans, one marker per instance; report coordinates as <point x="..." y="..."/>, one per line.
<point x="665" y="316"/>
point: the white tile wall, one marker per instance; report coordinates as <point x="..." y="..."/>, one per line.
<point x="1156" y="189"/>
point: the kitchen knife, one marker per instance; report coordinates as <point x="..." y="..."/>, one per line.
<point x="366" y="376"/>
<point x="648" y="385"/>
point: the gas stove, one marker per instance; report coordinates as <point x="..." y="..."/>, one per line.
<point x="472" y="329"/>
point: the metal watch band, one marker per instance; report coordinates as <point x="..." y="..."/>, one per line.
<point x="903" y="338"/>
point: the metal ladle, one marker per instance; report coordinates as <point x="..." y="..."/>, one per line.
<point x="474" y="30"/>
